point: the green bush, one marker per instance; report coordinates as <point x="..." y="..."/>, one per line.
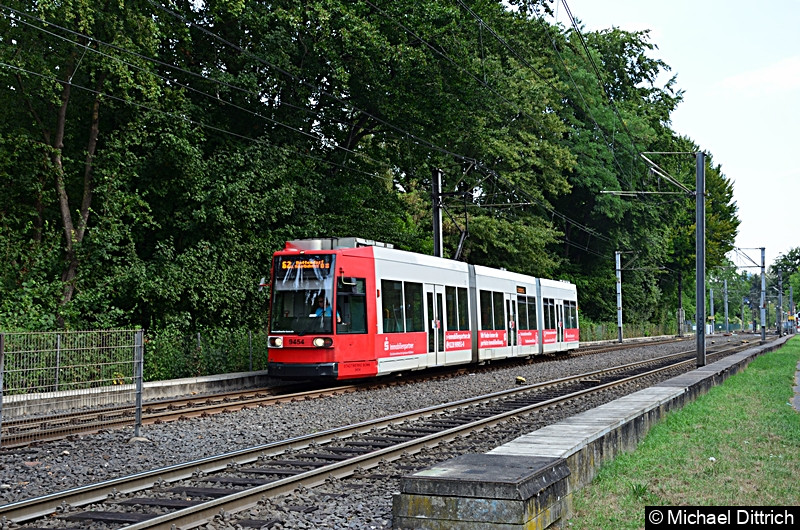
<point x="594" y="331"/>
<point x="172" y="354"/>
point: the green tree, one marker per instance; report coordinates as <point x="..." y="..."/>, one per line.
<point x="154" y="155"/>
<point x="65" y="87"/>
<point x="788" y="263"/>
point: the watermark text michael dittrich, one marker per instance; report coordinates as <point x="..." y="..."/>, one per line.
<point x="721" y="516"/>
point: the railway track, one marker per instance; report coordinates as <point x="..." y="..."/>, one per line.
<point x="188" y="494"/>
<point x="17" y="432"/>
<point x="616" y="346"/>
<point x="26" y="430"/>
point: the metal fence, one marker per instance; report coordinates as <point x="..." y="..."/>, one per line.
<point x="593" y="331"/>
<point x="172" y="354"/>
<point x="57" y="383"/>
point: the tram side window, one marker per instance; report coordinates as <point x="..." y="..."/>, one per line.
<point x="392" y="306"/>
<point x="575" y="310"/>
<point x="487" y="315"/>
<point x="492" y="310"/>
<point x="415" y="316"/>
<point x="451" y="299"/>
<point x="549" y="307"/>
<point x="499" y="320"/>
<point x="463" y="309"/>
<point x="457" y="308"/>
<point x="571" y="316"/>
<point x="351" y="305"/>
<point x="533" y="321"/>
<point x="522" y="317"/>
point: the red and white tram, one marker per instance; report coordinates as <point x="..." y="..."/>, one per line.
<point x="345" y="308"/>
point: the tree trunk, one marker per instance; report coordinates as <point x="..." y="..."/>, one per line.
<point x="74" y="235"/>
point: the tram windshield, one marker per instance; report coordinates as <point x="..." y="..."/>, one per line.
<point x="302" y="300"/>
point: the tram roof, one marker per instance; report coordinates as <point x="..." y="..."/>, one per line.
<point x="386" y="251"/>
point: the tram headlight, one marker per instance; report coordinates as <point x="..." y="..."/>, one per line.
<point x="323" y="342"/>
<point x="276" y="342"/>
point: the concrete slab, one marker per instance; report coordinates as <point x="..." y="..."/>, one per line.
<point x="796" y="398"/>
<point x="153" y="391"/>
<point x="485" y="492"/>
<point x="482" y="475"/>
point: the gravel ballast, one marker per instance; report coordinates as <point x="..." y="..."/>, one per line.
<point x="360" y="503"/>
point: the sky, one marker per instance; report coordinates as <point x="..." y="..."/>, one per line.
<point x="738" y="64"/>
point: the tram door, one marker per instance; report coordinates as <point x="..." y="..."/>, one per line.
<point x="511" y="322"/>
<point x="560" y="323"/>
<point x="434" y="305"/>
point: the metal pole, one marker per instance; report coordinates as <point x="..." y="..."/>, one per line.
<point x="436" y="197"/>
<point x="725" y="297"/>
<point x="791" y="308"/>
<point x="711" y="309"/>
<point x="742" y="330"/>
<point x="58" y="359"/>
<point x="250" y="347"/>
<point x="681" y="316"/>
<point x="619" y="296"/>
<point x="780" y="304"/>
<point x="2" y="357"/>
<point x="138" y="361"/>
<point x="763" y="297"/>
<point x="700" y="256"/>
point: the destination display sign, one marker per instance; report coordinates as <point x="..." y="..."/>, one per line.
<point x="305" y="264"/>
<point x="291" y="266"/>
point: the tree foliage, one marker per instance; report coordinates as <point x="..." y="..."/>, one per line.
<point x="154" y="154"/>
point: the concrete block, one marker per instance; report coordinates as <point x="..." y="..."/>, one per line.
<point x="485" y="491"/>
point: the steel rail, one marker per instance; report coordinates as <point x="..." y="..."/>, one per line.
<point x="25" y="510"/>
<point x="23" y="431"/>
<point x="202" y="513"/>
<point x="19" y="432"/>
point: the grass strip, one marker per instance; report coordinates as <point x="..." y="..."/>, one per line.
<point x="737" y="445"/>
